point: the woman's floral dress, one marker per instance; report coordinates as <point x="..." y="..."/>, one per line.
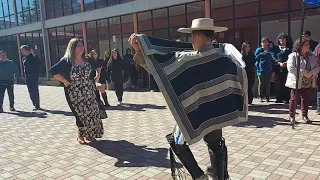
<point x="83" y="102"/>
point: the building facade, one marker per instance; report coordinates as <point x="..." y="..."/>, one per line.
<point x="48" y="25"/>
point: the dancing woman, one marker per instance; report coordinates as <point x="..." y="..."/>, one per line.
<point x="76" y="73"/>
<point x="104" y="76"/>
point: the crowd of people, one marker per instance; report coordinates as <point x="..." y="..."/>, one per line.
<point x="279" y="62"/>
<point x="86" y="78"/>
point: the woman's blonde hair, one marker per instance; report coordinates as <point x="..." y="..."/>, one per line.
<point x="71" y="48"/>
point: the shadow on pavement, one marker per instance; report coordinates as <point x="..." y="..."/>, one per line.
<point x="135" y="107"/>
<point x="263" y="122"/>
<point x="28" y="114"/>
<point x="65" y="113"/>
<point x="131" y="155"/>
<point x="270" y="108"/>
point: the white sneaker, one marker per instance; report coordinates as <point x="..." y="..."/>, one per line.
<point x="119" y="103"/>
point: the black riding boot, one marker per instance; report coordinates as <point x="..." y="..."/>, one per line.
<point x="105" y="99"/>
<point x="219" y="162"/>
<point x="186" y="157"/>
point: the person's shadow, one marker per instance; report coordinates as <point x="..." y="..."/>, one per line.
<point x="135" y="107"/>
<point x="28" y="114"/>
<point x="58" y="112"/>
<point x="131" y="155"/>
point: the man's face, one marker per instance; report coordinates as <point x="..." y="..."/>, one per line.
<point x="24" y="52"/>
<point x="305" y="36"/>
<point x="197" y="41"/>
<point x="265" y="44"/>
<point x="3" y="56"/>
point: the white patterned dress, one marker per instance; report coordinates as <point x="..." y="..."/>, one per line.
<point x="83" y="102"/>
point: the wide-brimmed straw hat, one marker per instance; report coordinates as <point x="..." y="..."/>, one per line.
<point x="202" y="24"/>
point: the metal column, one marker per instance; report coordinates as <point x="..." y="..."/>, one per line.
<point x="44" y="38"/>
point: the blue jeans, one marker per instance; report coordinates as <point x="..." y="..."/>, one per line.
<point x="33" y="88"/>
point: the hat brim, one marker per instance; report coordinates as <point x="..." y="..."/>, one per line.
<point x="216" y="29"/>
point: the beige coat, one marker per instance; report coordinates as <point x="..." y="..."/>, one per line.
<point x="292" y="68"/>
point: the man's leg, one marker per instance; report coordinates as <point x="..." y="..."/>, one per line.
<point x="11" y="95"/>
<point x="186" y="157"/>
<point x="29" y="86"/>
<point x="218" y="155"/>
<point x="2" y="90"/>
<point x="36" y="92"/>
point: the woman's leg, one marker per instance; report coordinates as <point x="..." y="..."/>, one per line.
<point x="261" y="87"/>
<point x="104" y="94"/>
<point x="250" y="92"/>
<point x="119" y="90"/>
<point x="278" y="87"/>
<point x="304" y="95"/>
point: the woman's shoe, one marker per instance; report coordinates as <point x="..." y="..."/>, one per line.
<point x="92" y="139"/>
<point x="291" y="121"/>
<point x="306" y="119"/>
<point x="81" y="140"/>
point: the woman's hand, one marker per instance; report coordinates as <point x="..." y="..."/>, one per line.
<point x="97" y="78"/>
<point x="66" y="83"/>
<point x="133" y="40"/>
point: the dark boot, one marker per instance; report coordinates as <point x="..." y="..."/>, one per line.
<point x="186" y="157"/>
<point x="105" y="99"/>
<point x="219" y="163"/>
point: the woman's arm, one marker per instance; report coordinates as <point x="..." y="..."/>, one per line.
<point x="98" y="73"/>
<point x="60" y="78"/>
<point x="316" y="69"/>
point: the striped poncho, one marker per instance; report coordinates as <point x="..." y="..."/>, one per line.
<point x="205" y="91"/>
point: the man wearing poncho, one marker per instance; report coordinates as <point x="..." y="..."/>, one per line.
<point x="205" y="88"/>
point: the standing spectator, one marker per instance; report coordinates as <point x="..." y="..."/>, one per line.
<point x="317" y="53"/>
<point x="75" y="72"/>
<point x="264" y="65"/>
<point x="104" y="77"/>
<point x="307" y="35"/>
<point x="283" y="50"/>
<point x="132" y="68"/>
<point x="31" y="65"/>
<point x="8" y="70"/>
<point x="309" y="69"/>
<point x="118" y="71"/>
<point x="248" y="58"/>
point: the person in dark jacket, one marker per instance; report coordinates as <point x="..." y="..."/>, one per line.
<point x="31" y="65"/>
<point x="104" y="76"/>
<point x="132" y="68"/>
<point x="118" y="71"/>
<point x="248" y="58"/>
<point x="283" y="50"/>
<point x="8" y="71"/>
<point x="264" y="67"/>
<point x="313" y="44"/>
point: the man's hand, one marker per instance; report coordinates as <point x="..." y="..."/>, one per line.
<point x="133" y="40"/>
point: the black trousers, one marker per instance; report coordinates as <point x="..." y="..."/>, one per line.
<point x="282" y="92"/>
<point x="118" y="85"/>
<point x="33" y="88"/>
<point x="8" y="85"/>
<point x="264" y="85"/>
<point x="133" y="74"/>
<point x="153" y="84"/>
<point x="183" y="152"/>
<point x="250" y="91"/>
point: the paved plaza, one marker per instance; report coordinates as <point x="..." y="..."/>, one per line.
<point x="42" y="144"/>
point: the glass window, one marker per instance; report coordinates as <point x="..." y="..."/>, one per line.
<point x="89" y="5"/>
<point x="78" y="30"/>
<point x="160" y="18"/>
<point x="226" y="36"/>
<point x="161" y="33"/>
<point x="245" y="8"/>
<point x="126" y="44"/>
<point x="195" y="10"/>
<point x="221" y="10"/>
<point x="58" y="8"/>
<point x="113" y="2"/>
<point x="103" y="27"/>
<point x="67" y="7"/>
<point x="49" y="5"/>
<point x="76" y="6"/>
<point x="246" y="30"/>
<point x="116" y="42"/>
<point x="104" y="45"/>
<point x="91" y="29"/>
<point x="268" y="24"/>
<point x="114" y="25"/>
<point x="101" y="3"/>
<point x="127" y="24"/>
<point x="144" y="21"/>
<point x="177" y="16"/>
<point x="268" y="6"/>
<point x="52" y="35"/>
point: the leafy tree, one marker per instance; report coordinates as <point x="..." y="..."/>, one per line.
<point x="31" y="13"/>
